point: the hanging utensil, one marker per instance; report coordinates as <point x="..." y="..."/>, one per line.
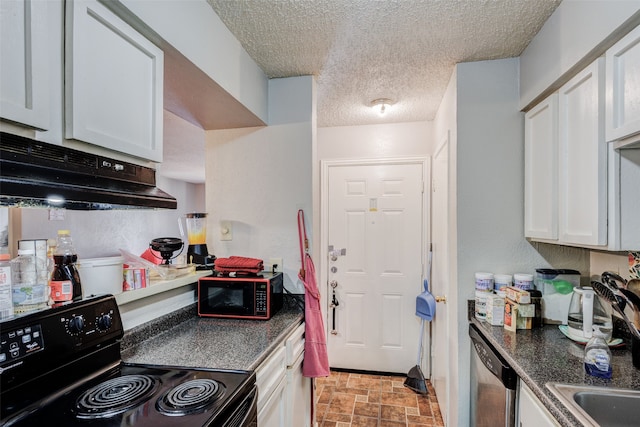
<point x="634" y="301"/>
<point x="606" y="293"/>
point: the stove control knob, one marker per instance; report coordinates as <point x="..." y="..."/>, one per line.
<point x="104" y="322"/>
<point x="75" y="325"/>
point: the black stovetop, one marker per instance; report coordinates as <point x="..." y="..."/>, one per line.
<point x="65" y="407"/>
<point x="62" y="367"/>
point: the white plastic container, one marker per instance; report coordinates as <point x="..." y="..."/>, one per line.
<point x="101" y="275"/>
<point x="484" y="282"/>
<point x="523" y="281"/>
<point x="501" y="281"/>
<point x="482" y="298"/>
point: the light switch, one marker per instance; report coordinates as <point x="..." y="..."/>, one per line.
<point x="226" y="230"/>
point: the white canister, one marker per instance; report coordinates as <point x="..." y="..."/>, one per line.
<point x="101" y="275"/>
<point x="484" y="282"/>
<point x="482" y="299"/>
<point x="501" y="281"/>
<point x="523" y="281"/>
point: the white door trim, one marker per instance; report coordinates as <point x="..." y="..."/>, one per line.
<point x="322" y="261"/>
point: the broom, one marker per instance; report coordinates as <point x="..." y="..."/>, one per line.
<point x="425" y="309"/>
<point x="415" y="378"/>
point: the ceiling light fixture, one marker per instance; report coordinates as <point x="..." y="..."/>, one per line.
<point x="381" y="104"/>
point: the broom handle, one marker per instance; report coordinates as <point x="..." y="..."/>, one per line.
<point x="420" y="342"/>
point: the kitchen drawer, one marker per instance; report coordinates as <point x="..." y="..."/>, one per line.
<point x="270" y="373"/>
<point x="295" y="345"/>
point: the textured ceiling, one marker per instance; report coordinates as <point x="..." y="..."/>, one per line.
<point x="360" y="50"/>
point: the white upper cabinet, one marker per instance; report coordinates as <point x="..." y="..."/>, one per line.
<point x="541" y="170"/>
<point x="24" y="79"/>
<point x="623" y="88"/>
<point x="114" y="82"/>
<point x="582" y="163"/>
<point x="566" y="164"/>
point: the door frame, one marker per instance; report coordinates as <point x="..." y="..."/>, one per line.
<point x="323" y="284"/>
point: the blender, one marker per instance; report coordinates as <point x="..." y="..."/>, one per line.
<point x="196" y="227"/>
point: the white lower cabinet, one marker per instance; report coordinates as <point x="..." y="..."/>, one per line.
<point x="271" y="381"/>
<point x="272" y="412"/>
<point x="284" y="395"/>
<point x="531" y="412"/>
<point x="298" y="401"/>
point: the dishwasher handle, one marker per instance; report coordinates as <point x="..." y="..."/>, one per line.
<point x="492" y="360"/>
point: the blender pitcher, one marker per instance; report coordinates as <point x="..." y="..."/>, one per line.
<point x="196" y="227"/>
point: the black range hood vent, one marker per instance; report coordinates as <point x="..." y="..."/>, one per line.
<point x="37" y="174"/>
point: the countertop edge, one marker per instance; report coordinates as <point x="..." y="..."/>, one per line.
<point x="276" y="342"/>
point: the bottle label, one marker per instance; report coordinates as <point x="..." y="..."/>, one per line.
<point x="61" y="290"/>
<point x="597" y="363"/>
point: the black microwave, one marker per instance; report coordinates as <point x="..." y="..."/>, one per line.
<point x="249" y="297"/>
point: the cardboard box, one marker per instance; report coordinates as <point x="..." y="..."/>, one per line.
<point x="134" y="277"/>
<point x="495" y="316"/>
<point x="517" y="295"/>
<point x="510" y="315"/>
<point x="495" y="310"/>
<point x="518" y="316"/>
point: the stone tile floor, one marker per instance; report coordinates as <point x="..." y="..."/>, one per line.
<point x="362" y="400"/>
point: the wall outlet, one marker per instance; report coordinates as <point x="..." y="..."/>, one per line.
<point x="56" y="214"/>
<point x="272" y="262"/>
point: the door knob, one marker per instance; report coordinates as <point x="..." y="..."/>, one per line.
<point x="441" y="299"/>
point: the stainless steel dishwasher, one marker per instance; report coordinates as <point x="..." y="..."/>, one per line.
<point x="493" y="385"/>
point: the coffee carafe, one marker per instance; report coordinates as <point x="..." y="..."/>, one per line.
<point x="196" y="227"/>
<point x="585" y="311"/>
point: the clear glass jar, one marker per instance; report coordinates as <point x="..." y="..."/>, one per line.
<point x="6" y="300"/>
<point x="29" y="287"/>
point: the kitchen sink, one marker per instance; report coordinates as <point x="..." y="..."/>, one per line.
<point x="599" y="406"/>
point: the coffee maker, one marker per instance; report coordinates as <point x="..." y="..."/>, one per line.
<point x="196" y="227"/>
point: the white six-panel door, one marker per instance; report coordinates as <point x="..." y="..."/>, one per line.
<point x="375" y="212"/>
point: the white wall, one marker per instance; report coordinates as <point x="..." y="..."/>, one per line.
<point x="375" y="141"/>
<point x="489" y="203"/>
<point x="258" y="178"/>
<point x="572" y="31"/>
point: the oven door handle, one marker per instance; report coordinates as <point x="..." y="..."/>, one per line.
<point x="251" y="416"/>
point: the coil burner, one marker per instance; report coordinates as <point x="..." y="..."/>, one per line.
<point x="115" y="396"/>
<point x="190" y="397"/>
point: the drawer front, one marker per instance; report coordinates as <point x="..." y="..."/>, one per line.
<point x="295" y="344"/>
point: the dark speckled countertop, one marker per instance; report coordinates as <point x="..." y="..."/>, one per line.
<point x="184" y="339"/>
<point x="545" y="355"/>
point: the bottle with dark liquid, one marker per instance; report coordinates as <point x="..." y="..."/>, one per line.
<point x="65" y="279"/>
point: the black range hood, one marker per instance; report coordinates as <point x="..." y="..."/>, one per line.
<point x="37" y="174"/>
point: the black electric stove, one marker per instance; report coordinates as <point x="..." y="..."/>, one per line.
<point x="62" y="366"/>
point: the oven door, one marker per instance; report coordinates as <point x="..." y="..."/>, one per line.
<point x="221" y="298"/>
<point x="246" y="414"/>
